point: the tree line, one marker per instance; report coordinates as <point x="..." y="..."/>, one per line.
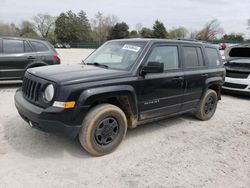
<point x="70" y="27"/>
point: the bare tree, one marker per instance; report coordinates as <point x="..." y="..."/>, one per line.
<point x="44" y="24"/>
<point x="248" y="26"/>
<point x="138" y="28"/>
<point x="180" y="32"/>
<point x="9" y="29"/>
<point x="101" y="25"/>
<point x="193" y="34"/>
<point x="210" y="31"/>
<point x="27" y="29"/>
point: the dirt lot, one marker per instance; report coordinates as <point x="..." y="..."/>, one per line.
<point x="178" y="152"/>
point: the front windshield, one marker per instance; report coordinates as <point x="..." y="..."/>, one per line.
<point x="116" y="54"/>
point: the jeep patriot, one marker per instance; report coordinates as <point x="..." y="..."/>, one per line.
<point x="121" y="85"/>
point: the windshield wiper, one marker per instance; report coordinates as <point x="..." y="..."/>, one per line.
<point x="98" y="65"/>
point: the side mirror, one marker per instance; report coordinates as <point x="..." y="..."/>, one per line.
<point x="152" y="67"/>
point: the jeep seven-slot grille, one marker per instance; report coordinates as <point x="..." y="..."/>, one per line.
<point x="31" y="89"/>
<point x="233" y="74"/>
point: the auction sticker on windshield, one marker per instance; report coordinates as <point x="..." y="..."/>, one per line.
<point x="131" y="48"/>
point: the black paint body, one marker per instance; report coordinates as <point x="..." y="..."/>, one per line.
<point x="151" y="96"/>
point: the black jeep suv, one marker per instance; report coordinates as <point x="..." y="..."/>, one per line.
<point x="122" y="84"/>
<point x="19" y="54"/>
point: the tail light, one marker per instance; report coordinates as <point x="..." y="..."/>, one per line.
<point x="56" y="56"/>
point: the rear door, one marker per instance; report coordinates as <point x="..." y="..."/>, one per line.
<point x="1" y="51"/>
<point x="195" y="73"/>
<point x="43" y="52"/>
<point x="16" y="55"/>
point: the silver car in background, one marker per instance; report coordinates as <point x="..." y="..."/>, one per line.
<point x="237" y="69"/>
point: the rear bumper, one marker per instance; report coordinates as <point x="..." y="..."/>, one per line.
<point x="237" y="85"/>
<point x="44" y="119"/>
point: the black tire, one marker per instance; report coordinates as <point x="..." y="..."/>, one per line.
<point x="207" y="106"/>
<point x="103" y="129"/>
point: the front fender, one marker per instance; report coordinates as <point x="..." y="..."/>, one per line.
<point x="36" y="64"/>
<point x="91" y="95"/>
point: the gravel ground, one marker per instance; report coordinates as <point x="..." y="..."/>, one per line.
<point x="178" y="152"/>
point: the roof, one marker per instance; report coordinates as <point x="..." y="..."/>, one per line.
<point x="21" y="38"/>
<point x="180" y="41"/>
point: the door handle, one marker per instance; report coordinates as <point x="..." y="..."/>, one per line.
<point x="204" y="75"/>
<point x="178" y="78"/>
<point x="31" y="57"/>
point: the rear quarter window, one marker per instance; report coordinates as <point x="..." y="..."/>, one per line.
<point x="39" y="47"/>
<point x="213" y="57"/>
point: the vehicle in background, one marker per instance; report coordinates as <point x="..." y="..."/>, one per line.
<point x="237" y="69"/>
<point x="19" y="54"/>
<point x="58" y="45"/>
<point x="65" y="45"/>
<point x="222" y="46"/>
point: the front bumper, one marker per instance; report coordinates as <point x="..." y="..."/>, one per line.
<point x="47" y="120"/>
<point x="237" y="85"/>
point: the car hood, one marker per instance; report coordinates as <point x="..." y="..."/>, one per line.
<point x="69" y="74"/>
<point x="238" y="58"/>
<point x="240" y="65"/>
<point x="241" y="51"/>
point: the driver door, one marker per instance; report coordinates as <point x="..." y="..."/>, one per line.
<point x="161" y="94"/>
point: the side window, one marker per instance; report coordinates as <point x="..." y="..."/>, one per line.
<point x="1" y="46"/>
<point x="27" y="47"/>
<point x="168" y="55"/>
<point x="191" y="58"/>
<point x="12" y="46"/>
<point x="39" y="47"/>
<point x="213" y="57"/>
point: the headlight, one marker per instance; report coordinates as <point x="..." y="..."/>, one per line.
<point x="49" y="93"/>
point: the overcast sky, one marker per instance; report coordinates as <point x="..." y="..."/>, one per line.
<point x="192" y="14"/>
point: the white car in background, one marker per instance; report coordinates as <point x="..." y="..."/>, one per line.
<point x="237" y="69"/>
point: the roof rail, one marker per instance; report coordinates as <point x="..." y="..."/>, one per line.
<point x="191" y="40"/>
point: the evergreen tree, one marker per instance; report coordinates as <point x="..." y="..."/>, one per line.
<point x="119" y="31"/>
<point x="71" y="27"/>
<point x="159" y="30"/>
<point x="146" y="33"/>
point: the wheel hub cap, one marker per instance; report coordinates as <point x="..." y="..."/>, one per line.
<point x="106" y="131"/>
<point x="209" y="105"/>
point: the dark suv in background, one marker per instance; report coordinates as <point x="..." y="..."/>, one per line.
<point x="19" y="54"/>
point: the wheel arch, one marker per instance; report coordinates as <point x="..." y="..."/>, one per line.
<point x="122" y="96"/>
<point x="36" y="64"/>
<point x="215" y="84"/>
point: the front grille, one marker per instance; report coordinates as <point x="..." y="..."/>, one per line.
<point x="31" y="89"/>
<point x="233" y="74"/>
<point x="236" y="86"/>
